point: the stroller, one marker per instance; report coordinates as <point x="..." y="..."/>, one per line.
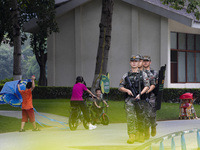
<point x="186" y="102"/>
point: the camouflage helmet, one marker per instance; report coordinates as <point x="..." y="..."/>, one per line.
<point x="141" y="57"/>
<point x="147" y="58"/>
<point x="134" y="58"/>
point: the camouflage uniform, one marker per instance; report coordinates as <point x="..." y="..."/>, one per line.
<point x="149" y="105"/>
<point x="152" y="100"/>
<point x="136" y="117"/>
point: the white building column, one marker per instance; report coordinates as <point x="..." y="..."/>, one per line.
<point x="165" y="48"/>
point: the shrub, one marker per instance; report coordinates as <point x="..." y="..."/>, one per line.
<point x="173" y="94"/>
<point x="46" y="92"/>
<point x="6" y="80"/>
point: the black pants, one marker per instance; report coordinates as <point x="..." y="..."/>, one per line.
<point x="83" y="106"/>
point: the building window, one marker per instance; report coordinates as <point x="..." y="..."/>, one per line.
<point x="185" y="58"/>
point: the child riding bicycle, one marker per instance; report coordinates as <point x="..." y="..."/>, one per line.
<point x="96" y="103"/>
<point x="78" y="101"/>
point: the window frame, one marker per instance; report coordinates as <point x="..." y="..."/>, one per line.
<point x="186" y="56"/>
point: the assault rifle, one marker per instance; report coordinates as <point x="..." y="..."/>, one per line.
<point x="130" y="87"/>
<point x="133" y="90"/>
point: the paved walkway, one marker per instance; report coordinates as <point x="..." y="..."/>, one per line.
<point x="113" y="136"/>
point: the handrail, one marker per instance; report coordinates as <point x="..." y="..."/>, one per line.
<point x="170" y="136"/>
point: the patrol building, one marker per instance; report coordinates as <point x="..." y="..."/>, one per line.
<point x="145" y="27"/>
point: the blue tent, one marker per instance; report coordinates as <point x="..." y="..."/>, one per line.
<point x="10" y="94"/>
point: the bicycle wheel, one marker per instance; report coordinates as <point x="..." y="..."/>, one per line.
<point x="73" y="122"/>
<point x="85" y="124"/>
<point x="92" y="118"/>
<point x="105" y="119"/>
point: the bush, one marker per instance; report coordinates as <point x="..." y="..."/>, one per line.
<point x="169" y="94"/>
<point x="172" y="94"/>
<point x="116" y="95"/>
<point x="46" y="92"/>
<point x="6" y="80"/>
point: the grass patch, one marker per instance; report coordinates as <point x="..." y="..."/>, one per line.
<point x="116" y="111"/>
<point x="10" y="124"/>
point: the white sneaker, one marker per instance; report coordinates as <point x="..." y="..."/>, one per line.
<point x="92" y="127"/>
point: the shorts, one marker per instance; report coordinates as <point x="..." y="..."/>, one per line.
<point x="28" y="114"/>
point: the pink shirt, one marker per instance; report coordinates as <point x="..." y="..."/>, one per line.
<point x="77" y="92"/>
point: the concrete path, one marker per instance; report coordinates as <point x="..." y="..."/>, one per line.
<point x="113" y="136"/>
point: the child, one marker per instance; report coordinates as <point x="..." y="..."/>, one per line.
<point x="78" y="101"/>
<point x="96" y="104"/>
<point x="184" y="106"/>
<point x="27" y="105"/>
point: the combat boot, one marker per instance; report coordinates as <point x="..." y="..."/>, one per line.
<point x="147" y="133"/>
<point x="141" y="137"/>
<point x="153" y="131"/>
<point x="131" y="139"/>
<point x="137" y="136"/>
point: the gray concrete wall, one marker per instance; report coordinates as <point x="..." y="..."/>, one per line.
<point x="61" y="52"/>
<point x="73" y="50"/>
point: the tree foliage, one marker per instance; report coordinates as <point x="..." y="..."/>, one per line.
<point x="6" y="61"/>
<point x="190" y="5"/>
<point x="14" y="14"/>
<point x="44" y="12"/>
<point x="29" y="63"/>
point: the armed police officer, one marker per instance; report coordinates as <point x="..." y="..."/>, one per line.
<point x="153" y="76"/>
<point x="135" y="84"/>
<point x="140" y="64"/>
<point x="147" y="104"/>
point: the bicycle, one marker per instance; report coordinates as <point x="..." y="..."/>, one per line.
<point x="75" y="119"/>
<point x="103" y="117"/>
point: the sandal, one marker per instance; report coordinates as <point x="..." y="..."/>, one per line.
<point x="21" y="130"/>
<point x="36" y="129"/>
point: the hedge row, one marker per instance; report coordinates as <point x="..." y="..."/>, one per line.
<point x="40" y="92"/>
<point x="172" y="94"/>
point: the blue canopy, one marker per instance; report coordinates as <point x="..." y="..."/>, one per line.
<point x="10" y="94"/>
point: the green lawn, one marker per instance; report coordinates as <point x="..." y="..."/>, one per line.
<point x="9" y="124"/>
<point x="116" y="112"/>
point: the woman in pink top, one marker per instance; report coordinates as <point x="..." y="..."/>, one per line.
<point x="78" y="101"/>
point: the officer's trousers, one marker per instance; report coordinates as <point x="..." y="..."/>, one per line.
<point x="152" y="108"/>
<point x="136" y="116"/>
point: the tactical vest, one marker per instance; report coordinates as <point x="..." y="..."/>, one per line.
<point x="137" y="81"/>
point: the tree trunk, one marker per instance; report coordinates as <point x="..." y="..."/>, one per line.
<point x="104" y="42"/>
<point x="42" y="59"/>
<point x="17" y="75"/>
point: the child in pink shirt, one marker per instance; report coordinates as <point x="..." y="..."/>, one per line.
<point x="78" y="101"/>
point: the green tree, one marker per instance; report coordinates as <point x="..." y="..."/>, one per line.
<point x="45" y="14"/>
<point x="29" y="63"/>
<point x="104" y="41"/>
<point x="190" y="5"/>
<point x="6" y="61"/>
<point x="13" y="15"/>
